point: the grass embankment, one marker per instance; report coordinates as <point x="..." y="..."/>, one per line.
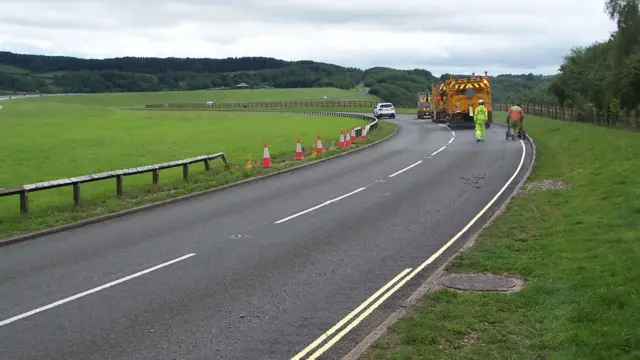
<point x="58" y="137"/>
<point x="577" y="249"/>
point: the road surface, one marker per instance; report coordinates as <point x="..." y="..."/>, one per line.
<point x="259" y="271"/>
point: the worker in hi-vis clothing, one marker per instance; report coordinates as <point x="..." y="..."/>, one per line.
<point x="515" y="118"/>
<point x="480" y="118"/>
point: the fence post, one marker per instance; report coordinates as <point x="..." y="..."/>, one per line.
<point x="24" y="202"/>
<point x="185" y="172"/>
<point x="76" y="194"/>
<point x="225" y="161"/>
<point x="207" y="164"/>
<point x="119" y="185"/>
<point x="156" y="176"/>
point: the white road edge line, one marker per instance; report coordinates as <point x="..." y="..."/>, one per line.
<point x="319" y="206"/>
<point x="431" y="259"/>
<point x="437" y="151"/>
<point x="451" y="140"/>
<point x="405" y="169"/>
<point x="348" y="317"/>
<point x="96" y="289"/>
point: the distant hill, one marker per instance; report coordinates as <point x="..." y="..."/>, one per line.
<point x="62" y="74"/>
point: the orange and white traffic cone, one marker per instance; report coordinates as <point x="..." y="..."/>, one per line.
<point x="341" y="144"/>
<point x="353" y="134"/>
<point x="347" y="141"/>
<point x="266" y="159"/>
<point x="364" y="132"/>
<point x="319" y="145"/>
<point x="298" y="150"/>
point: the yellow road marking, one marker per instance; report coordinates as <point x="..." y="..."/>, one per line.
<point x="348" y="317"/>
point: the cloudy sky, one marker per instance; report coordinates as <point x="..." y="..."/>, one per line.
<point x="500" y="36"/>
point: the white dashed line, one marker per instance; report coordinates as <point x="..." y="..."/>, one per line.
<point x="319" y="206"/>
<point x="437" y="151"/>
<point x="96" y="289"/>
<point x="405" y="169"/>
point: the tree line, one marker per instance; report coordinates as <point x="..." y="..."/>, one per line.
<point x="62" y="74"/>
<point x="604" y="76"/>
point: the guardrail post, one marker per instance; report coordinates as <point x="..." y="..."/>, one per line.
<point x="156" y="176"/>
<point x="119" y="190"/>
<point x="207" y="164"/>
<point x="185" y="172"/>
<point x="24" y="202"/>
<point x="76" y="194"/>
<point x="225" y="161"/>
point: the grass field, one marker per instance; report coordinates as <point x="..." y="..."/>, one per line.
<point x="201" y="96"/>
<point x="8" y="69"/>
<point x="576" y="248"/>
<point x="49" y="138"/>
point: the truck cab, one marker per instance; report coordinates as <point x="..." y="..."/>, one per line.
<point x="424" y="105"/>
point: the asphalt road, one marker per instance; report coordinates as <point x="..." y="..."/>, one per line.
<point x="263" y="283"/>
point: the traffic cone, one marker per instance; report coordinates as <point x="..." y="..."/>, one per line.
<point x="298" y="150"/>
<point x="342" y="143"/>
<point x="347" y="142"/>
<point x="266" y="159"/>
<point x="364" y="132"/>
<point x="319" y="145"/>
<point x="353" y="134"/>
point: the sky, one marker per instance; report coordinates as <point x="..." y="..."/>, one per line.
<point x="458" y="36"/>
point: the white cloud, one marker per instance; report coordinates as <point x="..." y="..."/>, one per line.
<point x="499" y="36"/>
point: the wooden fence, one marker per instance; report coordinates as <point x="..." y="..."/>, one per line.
<point x="626" y="119"/>
<point x="270" y="104"/>
<point x="24" y="190"/>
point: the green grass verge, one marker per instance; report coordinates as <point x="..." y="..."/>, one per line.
<point x="64" y="136"/>
<point x="577" y="250"/>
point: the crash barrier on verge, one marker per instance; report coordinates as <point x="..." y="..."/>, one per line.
<point x="626" y="119"/>
<point x="24" y="190"/>
<point x="269" y="104"/>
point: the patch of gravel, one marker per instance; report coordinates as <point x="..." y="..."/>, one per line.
<point x="543" y="185"/>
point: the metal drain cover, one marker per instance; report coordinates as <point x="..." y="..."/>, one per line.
<point x="479" y="282"/>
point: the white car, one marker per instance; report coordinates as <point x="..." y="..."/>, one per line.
<point x="384" y="110"/>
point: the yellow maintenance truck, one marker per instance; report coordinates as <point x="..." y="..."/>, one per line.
<point x="424" y="105"/>
<point x="461" y="99"/>
<point x="438" y="103"/>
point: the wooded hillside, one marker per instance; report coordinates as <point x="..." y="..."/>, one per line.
<point x="61" y="74"/>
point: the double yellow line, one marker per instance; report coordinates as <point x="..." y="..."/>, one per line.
<point x="355" y="322"/>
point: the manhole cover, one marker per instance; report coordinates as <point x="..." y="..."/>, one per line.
<point x="479" y="282"/>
